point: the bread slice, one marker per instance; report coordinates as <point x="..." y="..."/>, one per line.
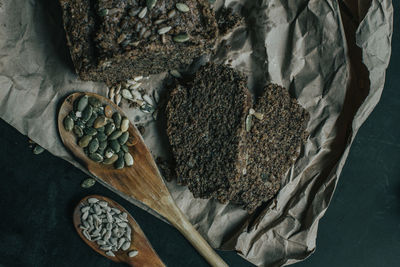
<point x="226" y="149"/>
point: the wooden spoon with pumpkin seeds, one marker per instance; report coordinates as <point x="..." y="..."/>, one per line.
<point x="142" y="181"/>
<point x="145" y="256"/>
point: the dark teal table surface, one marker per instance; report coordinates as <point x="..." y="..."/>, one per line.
<point x="360" y="228"/>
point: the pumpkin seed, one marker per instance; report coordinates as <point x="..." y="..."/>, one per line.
<point x="133" y="253"/>
<point x="94" y="101"/>
<point x="87" y="113"/>
<point x="90" y="122"/>
<point x="73" y="116"/>
<point x="108" y="111"/>
<point x="142" y="13"/>
<point x="90" y="131"/>
<point x="181" y="38"/>
<point x="108" y="153"/>
<point x="115" y="146"/>
<point x="123" y="138"/>
<point x="80" y="123"/>
<point x="82" y="103"/>
<point x="78" y="131"/>
<point x="115" y="135"/>
<point x="101" y="136"/>
<point x="84" y="141"/>
<point x="93" y="145"/>
<point x="100" y="122"/>
<point x="88" y="183"/>
<point x="164" y="30"/>
<point x="182" y="7"/>
<point x="110" y="127"/>
<point x="128" y="159"/>
<point x="151" y="3"/>
<point x="103" y="145"/>
<point x="117" y="119"/>
<point x="99" y="110"/>
<point x="125" y="148"/>
<point x="38" y="150"/>
<point x="96" y="157"/>
<point x="101" y="129"/>
<point x="68" y="123"/>
<point x="119" y="164"/>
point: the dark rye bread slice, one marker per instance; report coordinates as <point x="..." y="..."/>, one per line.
<point x="110" y="40"/>
<point x="205" y="122"/>
<point x="215" y="155"/>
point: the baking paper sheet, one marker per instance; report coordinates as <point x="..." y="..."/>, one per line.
<point x="298" y="44"/>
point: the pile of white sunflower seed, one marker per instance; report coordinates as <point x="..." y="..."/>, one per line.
<point x="107" y="226"/>
<point x="129" y="91"/>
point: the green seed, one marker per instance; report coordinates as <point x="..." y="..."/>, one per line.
<point x="115" y="135"/>
<point x="182" y="7"/>
<point x="101" y="129"/>
<point x="94" y="101"/>
<point x="88" y="183"/>
<point x="181" y="38"/>
<point x="80" y="123"/>
<point x="123" y="138"/>
<point x="100" y="122"/>
<point x="101" y="136"/>
<point x="115" y="146"/>
<point x="96" y="157"/>
<point x="125" y="148"/>
<point x="120" y="163"/>
<point x="124" y="125"/>
<point x="93" y="145"/>
<point x="82" y="103"/>
<point x="103" y="145"/>
<point x="87" y="113"/>
<point x="117" y="119"/>
<point x="90" y="122"/>
<point x="78" y="131"/>
<point x="68" y="123"/>
<point x="103" y="12"/>
<point x="128" y="159"/>
<point x="110" y="127"/>
<point x="73" y="116"/>
<point x="111" y="160"/>
<point x="90" y="131"/>
<point x="108" y="152"/>
<point x="151" y="3"/>
<point x="38" y="150"/>
<point x="84" y="141"/>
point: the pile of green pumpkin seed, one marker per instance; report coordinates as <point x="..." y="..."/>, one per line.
<point x="102" y="133"/>
<point x="107" y="226"/>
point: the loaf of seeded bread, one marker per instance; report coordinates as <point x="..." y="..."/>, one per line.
<point x="227" y="148"/>
<point x="114" y="40"/>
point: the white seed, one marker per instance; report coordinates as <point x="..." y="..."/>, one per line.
<point x="128" y="159"/>
<point x="251" y="111"/>
<point x="105" y="247"/>
<point x="182" y="7"/>
<point x="259" y="115"/>
<point x="103" y="232"/>
<point x="164" y="30"/>
<point x="126" y="94"/>
<point x="133" y="253"/>
<point x="148" y="99"/>
<point x="109" y="226"/>
<point x="85" y="208"/>
<point x="117" y="211"/>
<point x="175" y="73"/>
<point x="143" y="13"/>
<point x="138" y="78"/>
<point x="126" y="246"/>
<point x="118" y="99"/>
<point x="130" y="82"/>
<point x="122" y="224"/>
<point x="107" y="235"/>
<point x="109" y="218"/>
<point x="156" y="96"/>
<point x="85" y="215"/>
<point x="121" y="241"/>
<point x="103" y="204"/>
<point x="111" y="93"/>
<point x="101" y="242"/>
<point x="118" y="89"/>
<point x="113" y="241"/>
<point x="78" y="114"/>
<point x="124" y="216"/>
<point x="93" y="200"/>
<point x="86" y="234"/>
<point x="110" y="253"/>
<point x="124" y="125"/>
<point x="135" y="86"/>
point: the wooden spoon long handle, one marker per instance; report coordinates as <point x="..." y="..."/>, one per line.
<point x="186" y="228"/>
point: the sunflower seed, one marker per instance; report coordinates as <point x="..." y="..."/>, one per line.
<point x="126" y="246"/>
<point x="84" y="209"/>
<point x="87" y="183"/>
<point x="164" y="30"/>
<point x="82" y="103"/>
<point x="121" y="38"/>
<point x="258" y="115"/>
<point x="135" y="86"/>
<point x="159" y="21"/>
<point x="128" y="159"/>
<point x="68" y="123"/>
<point x="116" y="211"/>
<point x="109" y="218"/>
<point x="118" y="89"/>
<point x="175" y="73"/>
<point x="101" y="242"/>
<point x="107" y="235"/>
<point x="133" y="253"/>
<point x="146" y="108"/>
<point x="111" y="93"/>
<point x="126" y="94"/>
<point x="105" y="248"/>
<point x="118" y="99"/>
<point x="151" y="3"/>
<point x="38" y="150"/>
<point x="143" y="13"/>
<point x="133" y="12"/>
<point x="121" y="241"/>
<point x="171" y="13"/>
<point x="248" y="123"/>
<point x="138" y="78"/>
<point x="97" y="210"/>
<point x="122" y="224"/>
<point x="86" y="234"/>
<point x="85" y="216"/>
<point x="182" y="7"/>
<point x="181" y="38"/>
<point x="92" y="200"/>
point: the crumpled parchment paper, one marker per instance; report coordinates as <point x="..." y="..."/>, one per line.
<point x="298" y="44"/>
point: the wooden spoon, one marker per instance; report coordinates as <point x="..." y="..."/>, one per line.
<point x="146" y="257"/>
<point x="141" y="181"/>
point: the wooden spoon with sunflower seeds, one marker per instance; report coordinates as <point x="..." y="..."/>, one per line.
<point x="142" y="181"/>
<point x="138" y="253"/>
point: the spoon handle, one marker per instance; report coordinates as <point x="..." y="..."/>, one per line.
<point x="179" y="220"/>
